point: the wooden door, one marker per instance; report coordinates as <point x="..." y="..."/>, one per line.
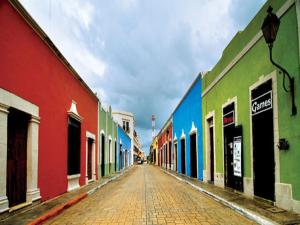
<point x="90" y="158"/>
<point x="17" y="157"/>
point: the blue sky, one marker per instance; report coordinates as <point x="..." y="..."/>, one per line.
<point x="141" y="56"/>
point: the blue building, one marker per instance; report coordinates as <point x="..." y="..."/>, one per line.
<point x="124" y="149"/>
<point x="187" y="132"/>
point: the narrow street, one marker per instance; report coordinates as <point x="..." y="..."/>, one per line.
<point x="146" y="195"/>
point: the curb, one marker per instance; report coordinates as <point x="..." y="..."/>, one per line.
<point x="59" y="209"/>
<point x="245" y="212"/>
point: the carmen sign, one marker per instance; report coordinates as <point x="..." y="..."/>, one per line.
<point x="262" y="103"/>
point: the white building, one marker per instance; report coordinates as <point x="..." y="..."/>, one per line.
<point x="127" y="122"/>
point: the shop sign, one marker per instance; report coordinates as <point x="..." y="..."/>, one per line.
<point x="237" y="156"/>
<point x="261" y="103"/>
<point x="228" y="119"/>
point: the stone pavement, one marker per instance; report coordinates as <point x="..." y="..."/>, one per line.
<point x="146" y="195"/>
<point x="261" y="211"/>
<point x="38" y="211"/>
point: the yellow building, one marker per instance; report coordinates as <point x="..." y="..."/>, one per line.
<point x="154" y="151"/>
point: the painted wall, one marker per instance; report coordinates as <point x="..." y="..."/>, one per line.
<point x="30" y="69"/>
<point x="189" y="112"/>
<point x="163" y="138"/>
<point x="102" y="130"/>
<point x="109" y="128"/>
<point x="251" y="67"/>
<point x="125" y="140"/>
<point x="119" y="116"/>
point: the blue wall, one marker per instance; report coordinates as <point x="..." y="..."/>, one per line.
<point x="126" y="145"/>
<point x="189" y="110"/>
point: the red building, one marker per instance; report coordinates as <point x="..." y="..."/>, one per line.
<point x="165" y="153"/>
<point x="48" y="115"/>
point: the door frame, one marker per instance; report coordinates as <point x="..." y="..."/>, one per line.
<point x="100" y="152"/>
<point x="183" y="137"/>
<point x="224" y="105"/>
<point x="273" y="77"/>
<point x="110" y="155"/>
<point x="194" y="131"/>
<point x="175" y="150"/>
<point x="209" y="116"/>
<point x="8" y="100"/>
<point x="90" y="135"/>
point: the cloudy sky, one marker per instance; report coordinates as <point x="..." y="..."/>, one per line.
<point x="141" y="55"/>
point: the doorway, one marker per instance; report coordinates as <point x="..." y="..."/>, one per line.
<point x="115" y="156"/>
<point x="263" y="141"/>
<point x="90" y="157"/>
<point x="193" y="155"/>
<point x="109" y="156"/>
<point x="175" y="155"/>
<point x="182" y="146"/>
<point x="170" y="154"/>
<point x="166" y="155"/>
<point x="211" y="150"/>
<point x="126" y="158"/>
<point x="228" y="131"/>
<point x="102" y="155"/>
<point x="74" y="131"/>
<point x="121" y="157"/>
<point x="16" y="185"/>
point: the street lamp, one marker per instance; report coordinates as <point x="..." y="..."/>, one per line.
<point x="269" y="29"/>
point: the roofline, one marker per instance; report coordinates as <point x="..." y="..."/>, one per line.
<point x="199" y="76"/>
<point x="45" y="38"/>
<point x="166" y="124"/>
<point x="124" y="132"/>
<point x="123" y="113"/>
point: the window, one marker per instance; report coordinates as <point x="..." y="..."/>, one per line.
<point x="124" y="125"/>
<point x="73" y="147"/>
<point x="127" y="127"/>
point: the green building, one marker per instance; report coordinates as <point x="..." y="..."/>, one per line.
<point x="107" y="142"/>
<point x="251" y="141"/>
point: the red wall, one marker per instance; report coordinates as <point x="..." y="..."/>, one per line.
<point x="163" y="139"/>
<point x="31" y="70"/>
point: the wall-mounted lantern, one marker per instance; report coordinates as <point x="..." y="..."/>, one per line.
<point x="269" y="29"/>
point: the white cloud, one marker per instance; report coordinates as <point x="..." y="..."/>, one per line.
<point x="141" y="56"/>
<point x="80" y="11"/>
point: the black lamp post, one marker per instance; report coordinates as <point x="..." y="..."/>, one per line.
<point x="270" y="28"/>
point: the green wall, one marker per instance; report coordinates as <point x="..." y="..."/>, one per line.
<point x="254" y="64"/>
<point x="107" y="124"/>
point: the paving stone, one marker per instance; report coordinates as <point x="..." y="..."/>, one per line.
<point x="146" y="195"/>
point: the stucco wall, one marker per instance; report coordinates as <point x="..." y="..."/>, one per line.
<point x="187" y="113"/>
<point x="31" y="70"/>
<point x="249" y="69"/>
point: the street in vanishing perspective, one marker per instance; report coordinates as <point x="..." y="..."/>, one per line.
<point x="146" y="195"/>
<point x="149" y="112"/>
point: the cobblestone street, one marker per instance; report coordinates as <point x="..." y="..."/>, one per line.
<point x="146" y="195"/>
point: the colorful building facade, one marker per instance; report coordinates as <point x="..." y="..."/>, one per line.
<point x="48" y="115"/>
<point x="250" y="138"/>
<point x="154" y="151"/>
<point x="124" y="149"/>
<point x="107" y="142"/>
<point x="165" y="157"/>
<point x="187" y="133"/>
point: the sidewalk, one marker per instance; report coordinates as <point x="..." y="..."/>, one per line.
<point x="45" y="210"/>
<point x="258" y="211"/>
